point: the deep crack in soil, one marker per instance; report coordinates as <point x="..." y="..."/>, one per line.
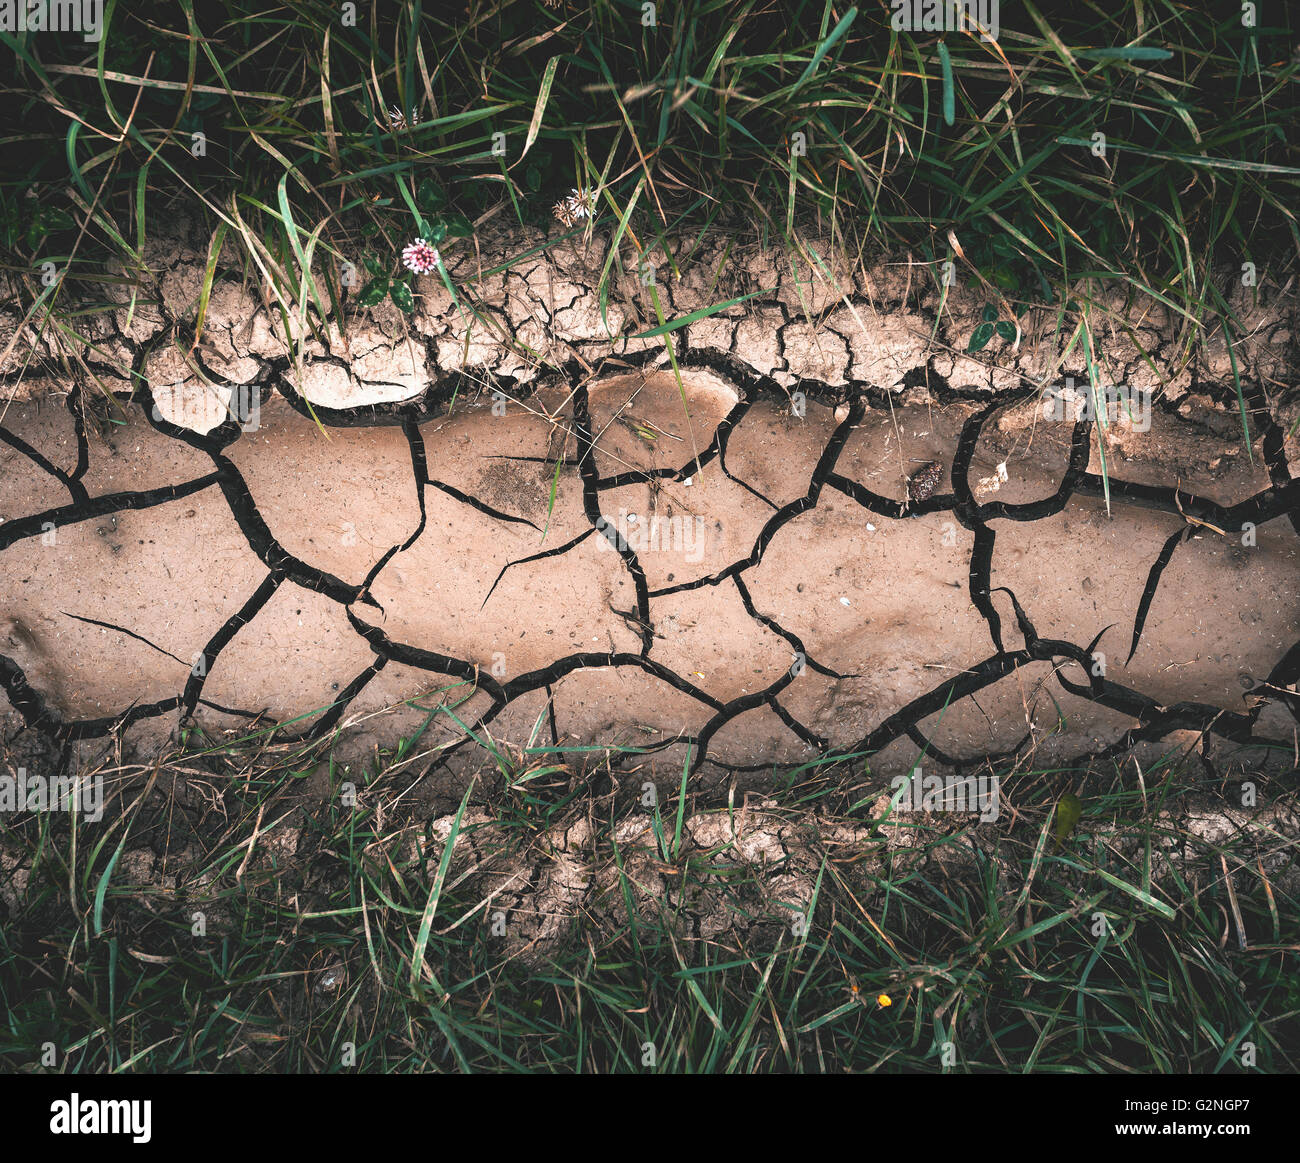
<point x="720" y="569"/>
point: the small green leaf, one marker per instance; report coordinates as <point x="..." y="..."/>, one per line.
<point x="457" y="225"/>
<point x="56" y="219"/>
<point x="373" y="292"/>
<point x="402" y="296"/>
<point x="1004" y="279"/>
<point x="990" y="313"/>
<point x="1007" y="330"/>
<point x="373" y="265"/>
<point x="437" y="233"/>
<point x="980" y="337"/>
<point x="430" y="197"/>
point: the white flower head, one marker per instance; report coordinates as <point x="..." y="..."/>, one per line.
<point x="398" y="120"/>
<point x="573" y="208"/>
<point x="420" y="257"/>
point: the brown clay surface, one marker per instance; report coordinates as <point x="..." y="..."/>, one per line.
<point x="785" y="596"/>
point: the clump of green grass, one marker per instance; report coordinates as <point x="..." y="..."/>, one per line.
<point x="1109" y="946"/>
<point x="320" y="139"/>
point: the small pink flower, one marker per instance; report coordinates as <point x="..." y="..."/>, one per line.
<point x="420" y="257"/>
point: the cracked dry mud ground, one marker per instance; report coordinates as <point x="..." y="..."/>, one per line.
<point x="743" y="588"/>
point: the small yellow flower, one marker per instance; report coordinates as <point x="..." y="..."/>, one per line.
<point x="884" y="1000"/>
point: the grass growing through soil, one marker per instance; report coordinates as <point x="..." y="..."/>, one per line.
<point x="775" y="123"/>
<point x="321" y="142"/>
<point x="362" y="945"/>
